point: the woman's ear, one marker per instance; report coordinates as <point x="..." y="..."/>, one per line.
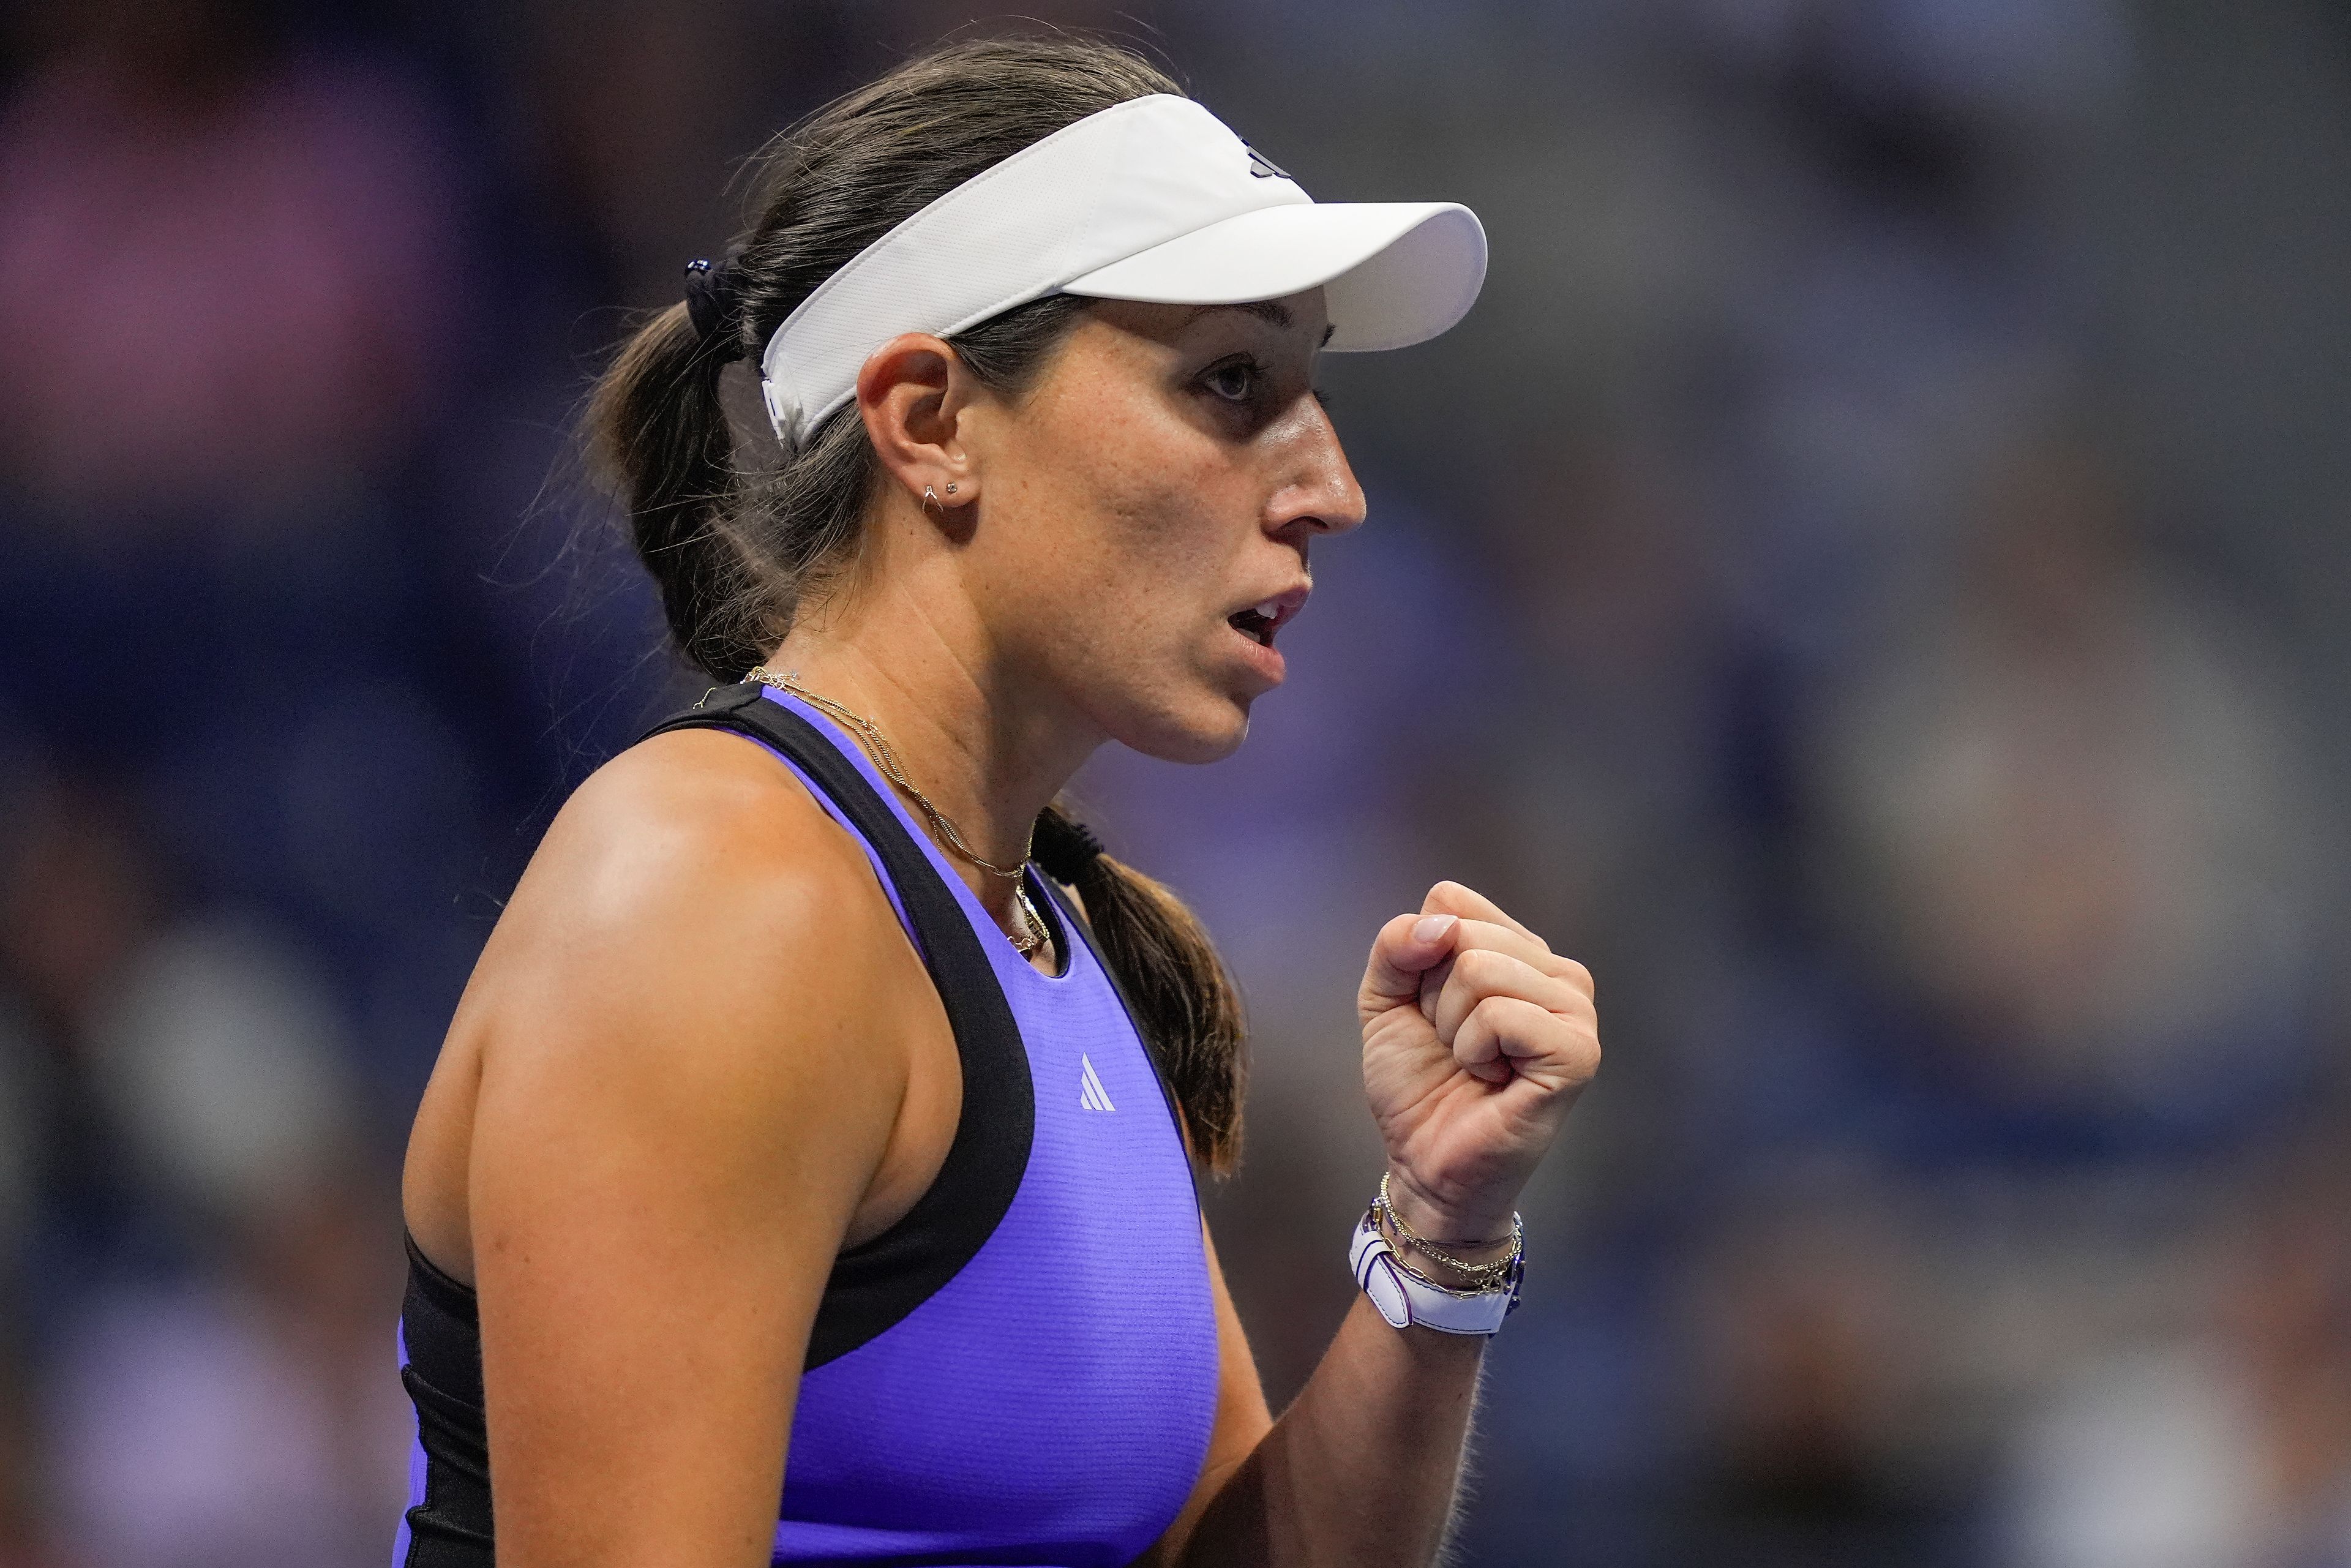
<point x="915" y="397"/>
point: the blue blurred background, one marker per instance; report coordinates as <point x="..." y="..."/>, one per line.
<point x="1869" y="578"/>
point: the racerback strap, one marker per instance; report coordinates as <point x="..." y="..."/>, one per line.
<point x="878" y="1282"/>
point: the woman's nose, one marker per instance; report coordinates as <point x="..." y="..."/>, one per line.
<point x="1323" y="491"/>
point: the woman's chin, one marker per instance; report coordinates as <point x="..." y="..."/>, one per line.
<point x="1206" y="731"/>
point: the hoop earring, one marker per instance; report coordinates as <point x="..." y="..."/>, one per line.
<point x="930" y="497"/>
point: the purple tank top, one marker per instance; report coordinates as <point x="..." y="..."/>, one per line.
<point x="1050" y="1403"/>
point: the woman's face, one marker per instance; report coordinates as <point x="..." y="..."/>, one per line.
<point x="1147" y="511"/>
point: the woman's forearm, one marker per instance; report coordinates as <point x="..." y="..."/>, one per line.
<point x="1469" y="1082"/>
<point x="1361" y="1470"/>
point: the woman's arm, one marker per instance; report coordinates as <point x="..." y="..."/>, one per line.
<point x="1476" y="1040"/>
<point x="1362" y="1468"/>
<point x="1359" y="1469"/>
<point x="683" y="1096"/>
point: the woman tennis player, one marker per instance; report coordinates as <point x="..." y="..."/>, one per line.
<point x="808" y="1176"/>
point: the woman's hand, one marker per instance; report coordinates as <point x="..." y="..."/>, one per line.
<point x="1476" y="1040"/>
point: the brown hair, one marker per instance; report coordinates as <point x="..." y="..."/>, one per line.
<point x="734" y="550"/>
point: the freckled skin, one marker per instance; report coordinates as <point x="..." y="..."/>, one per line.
<point x="1133" y="503"/>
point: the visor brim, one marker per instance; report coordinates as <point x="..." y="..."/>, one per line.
<point x="1392" y="273"/>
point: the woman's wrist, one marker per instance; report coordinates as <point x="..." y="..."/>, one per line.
<point x="1467" y="1239"/>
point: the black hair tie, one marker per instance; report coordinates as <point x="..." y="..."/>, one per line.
<point x="711" y="305"/>
<point x="1063" y="847"/>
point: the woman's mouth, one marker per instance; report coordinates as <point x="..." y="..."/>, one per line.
<point x="1257" y="623"/>
<point x="1260" y="621"/>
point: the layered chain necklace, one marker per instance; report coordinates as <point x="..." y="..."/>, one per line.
<point x="941" y="828"/>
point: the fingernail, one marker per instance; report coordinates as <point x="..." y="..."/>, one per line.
<point x="1432" y="926"/>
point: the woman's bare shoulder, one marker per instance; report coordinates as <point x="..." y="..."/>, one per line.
<point x="692" y="858"/>
<point x="696" y="805"/>
<point x="697" y="958"/>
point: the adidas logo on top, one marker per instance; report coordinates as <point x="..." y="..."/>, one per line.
<point x="1089" y="1088"/>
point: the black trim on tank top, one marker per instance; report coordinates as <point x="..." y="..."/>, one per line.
<point x="876" y="1283"/>
<point x="440" y="1322"/>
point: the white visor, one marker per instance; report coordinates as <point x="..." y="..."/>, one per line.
<point x="1152" y="199"/>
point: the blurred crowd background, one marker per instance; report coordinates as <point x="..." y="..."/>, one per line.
<point x="1869" y="577"/>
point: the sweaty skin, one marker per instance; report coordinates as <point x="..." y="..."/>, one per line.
<point x="699" y="1056"/>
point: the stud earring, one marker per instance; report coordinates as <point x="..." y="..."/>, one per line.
<point x="951" y="489"/>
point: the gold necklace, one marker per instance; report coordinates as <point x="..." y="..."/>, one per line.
<point x="941" y="828"/>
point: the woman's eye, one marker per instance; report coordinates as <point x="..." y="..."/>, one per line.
<point x="1234" y="382"/>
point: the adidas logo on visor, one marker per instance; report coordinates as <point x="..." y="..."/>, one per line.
<point x="1263" y="167"/>
<point x="1090" y="1090"/>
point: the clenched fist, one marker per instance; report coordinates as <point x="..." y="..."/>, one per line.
<point x="1476" y="1040"/>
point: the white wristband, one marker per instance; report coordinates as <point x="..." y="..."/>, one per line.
<point x="1404" y="1301"/>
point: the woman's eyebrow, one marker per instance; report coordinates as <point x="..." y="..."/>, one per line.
<point x="1263" y="309"/>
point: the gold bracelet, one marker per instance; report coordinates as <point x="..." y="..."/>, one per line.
<point x="1469" y="1280"/>
<point x="1465" y="1292"/>
<point x="1486" y="1275"/>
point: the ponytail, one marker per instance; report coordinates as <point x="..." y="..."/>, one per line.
<point x="658" y="438"/>
<point x="734" y="550"/>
